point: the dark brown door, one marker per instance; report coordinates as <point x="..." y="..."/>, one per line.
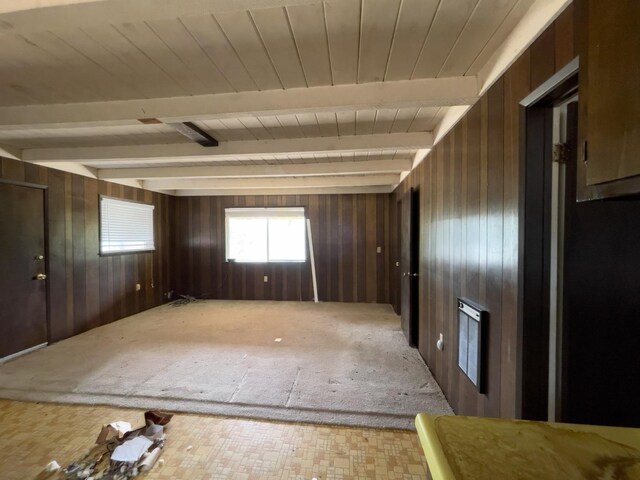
<point x="23" y="304"/>
<point x="409" y="267"/>
<point x="397" y="271"/>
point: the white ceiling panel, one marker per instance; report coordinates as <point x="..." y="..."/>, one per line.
<point x="269" y="79"/>
<point x="213" y="42"/>
<point x="377" y="29"/>
<point x="303" y="45"/>
<point x="240" y="30"/>
<point x="310" y="33"/>
<point x="414" y="21"/>
<point x="272" y="25"/>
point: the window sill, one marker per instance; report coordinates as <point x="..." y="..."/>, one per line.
<point x="128" y="252"/>
<point x="284" y="262"/>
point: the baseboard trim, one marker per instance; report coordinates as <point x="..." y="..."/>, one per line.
<point x="21" y="353"/>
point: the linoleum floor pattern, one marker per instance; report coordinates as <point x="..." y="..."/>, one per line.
<point x="33" y="434"/>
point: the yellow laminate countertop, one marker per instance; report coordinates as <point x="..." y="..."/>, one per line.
<point x="476" y="448"/>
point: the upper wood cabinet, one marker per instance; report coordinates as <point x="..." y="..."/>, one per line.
<point x="608" y="36"/>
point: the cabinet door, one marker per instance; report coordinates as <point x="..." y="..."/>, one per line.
<point x="609" y="42"/>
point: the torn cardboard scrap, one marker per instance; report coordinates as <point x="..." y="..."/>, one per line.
<point x="113" y="430"/>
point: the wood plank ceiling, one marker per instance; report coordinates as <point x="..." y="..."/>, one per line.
<point x="358" y="80"/>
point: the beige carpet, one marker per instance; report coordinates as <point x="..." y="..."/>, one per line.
<point x="336" y="363"/>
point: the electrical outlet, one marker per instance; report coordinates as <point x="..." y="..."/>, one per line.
<point x="266" y="279"/>
<point x="379" y="249"/>
<point x="138" y="287"/>
<point x="152" y="285"/>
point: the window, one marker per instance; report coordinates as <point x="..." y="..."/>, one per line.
<point x="265" y="234"/>
<point x="125" y="226"/>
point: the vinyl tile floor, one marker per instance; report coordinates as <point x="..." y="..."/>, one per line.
<point x="33" y="434"/>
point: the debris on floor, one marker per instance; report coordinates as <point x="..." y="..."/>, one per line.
<point x="113" y="430"/>
<point x="278" y="340"/>
<point x="119" y="453"/>
<point x="52" y="467"/>
<point x="183" y="300"/>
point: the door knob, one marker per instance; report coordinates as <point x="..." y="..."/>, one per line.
<point x="415" y="274"/>
<point x="40" y="276"/>
<point x="39" y="257"/>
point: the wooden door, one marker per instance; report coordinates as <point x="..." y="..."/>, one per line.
<point x="408" y="268"/>
<point x="23" y="304"/>
<point x="397" y="271"/>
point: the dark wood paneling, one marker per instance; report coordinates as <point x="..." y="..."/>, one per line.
<point x="86" y="290"/>
<point x="79" y="250"/>
<point x="516" y="86"/>
<point x="470" y="184"/>
<point x="495" y="224"/>
<point x="601" y="306"/>
<point x="565" y="38"/>
<point x="346" y="230"/>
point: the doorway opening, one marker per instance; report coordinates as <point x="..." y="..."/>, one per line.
<point x="545" y="115"/>
<point x="397" y="272"/>
<point x="409" y="266"/>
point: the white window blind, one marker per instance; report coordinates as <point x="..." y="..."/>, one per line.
<point x="265" y="234"/>
<point x="125" y="226"/>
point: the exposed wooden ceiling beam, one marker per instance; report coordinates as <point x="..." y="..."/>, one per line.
<point x="222" y="192"/>
<point x="431" y="92"/>
<point x="233" y="150"/>
<point x="24" y="16"/>
<point x="275" y="183"/>
<point x="281" y="170"/>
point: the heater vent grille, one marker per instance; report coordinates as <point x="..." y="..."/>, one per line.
<point x="471" y="323"/>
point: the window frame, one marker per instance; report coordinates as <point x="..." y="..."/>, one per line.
<point x="267" y="261"/>
<point x="127" y="252"/>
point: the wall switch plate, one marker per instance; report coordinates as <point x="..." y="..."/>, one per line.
<point x="266" y="279"/>
<point x="397" y="264"/>
<point x="379" y="249"/>
<point x="138" y="287"/>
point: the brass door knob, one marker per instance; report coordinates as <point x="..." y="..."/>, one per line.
<point x="40" y="276"/>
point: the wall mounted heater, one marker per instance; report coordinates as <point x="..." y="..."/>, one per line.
<point x="472" y="321"/>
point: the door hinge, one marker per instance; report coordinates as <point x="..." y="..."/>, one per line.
<point x="560" y="153"/>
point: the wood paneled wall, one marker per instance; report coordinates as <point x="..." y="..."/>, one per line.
<point x="469" y="194"/>
<point x="346" y="230"/>
<point x="87" y="290"/>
